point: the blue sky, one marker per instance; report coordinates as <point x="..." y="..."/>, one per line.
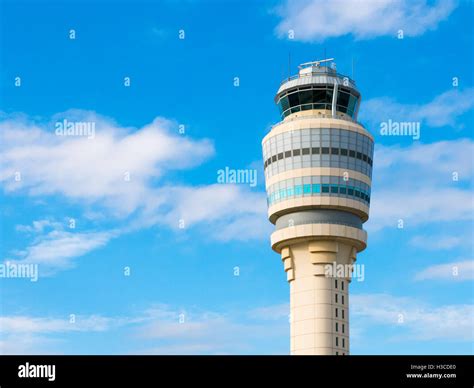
<point x="182" y="294"/>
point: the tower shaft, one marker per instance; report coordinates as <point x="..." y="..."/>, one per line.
<point x="319" y="303"/>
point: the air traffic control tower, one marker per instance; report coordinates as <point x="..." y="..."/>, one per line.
<point x="318" y="168"/>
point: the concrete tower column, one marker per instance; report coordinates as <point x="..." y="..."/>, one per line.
<point x="319" y="303"/>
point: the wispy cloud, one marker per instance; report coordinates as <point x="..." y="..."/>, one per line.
<point x="57" y="249"/>
<point x="21" y="334"/>
<point x="123" y="171"/>
<point x="317" y="20"/>
<point x="33" y="325"/>
<point x="275" y="312"/>
<point x="413" y="319"/>
<point x="121" y="174"/>
<point x="455" y="271"/>
<point x="443" y="110"/>
<point x="227" y="212"/>
<point x="439" y="242"/>
<point x="53" y="248"/>
<point x="115" y="168"/>
<point x="195" y="332"/>
<point x="159" y="329"/>
<point x="404" y="178"/>
<point x="38" y="226"/>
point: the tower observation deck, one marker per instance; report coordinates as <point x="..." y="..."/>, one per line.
<point x="318" y="169"/>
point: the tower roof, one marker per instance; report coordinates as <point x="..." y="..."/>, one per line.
<point x="321" y="72"/>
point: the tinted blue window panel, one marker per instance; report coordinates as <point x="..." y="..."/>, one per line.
<point x="316" y="189"/>
<point x="298" y="190"/>
<point x="290" y="192"/>
<point x="352" y="105"/>
<point x="306" y="97"/>
<point x="307" y="189"/>
<point x="343" y="99"/>
<point x="284" y="103"/>
<point x="320" y="96"/>
<point x="325" y="188"/>
<point x="294" y="99"/>
<point x="280" y="108"/>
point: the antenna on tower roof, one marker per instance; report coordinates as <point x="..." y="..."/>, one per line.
<point x="352" y="75"/>
<point x="289" y="64"/>
<point x="315" y="63"/>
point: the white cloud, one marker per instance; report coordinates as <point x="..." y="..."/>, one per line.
<point x="455" y="271"/>
<point x="416" y="184"/>
<point x="91" y="173"/>
<point x="210" y="333"/>
<point x="156" y="330"/>
<point x="213" y="202"/>
<point x="317" y="20"/>
<point x="94" y="170"/>
<point x="441" y="242"/>
<point x="247" y="227"/>
<point x="415" y="320"/>
<point x="24" y="324"/>
<point x="220" y="212"/>
<point x="53" y="248"/>
<point x="20" y="334"/>
<point x="435" y="161"/>
<point x="57" y="249"/>
<point x="38" y="226"/>
<point x="419" y="207"/>
<point x="228" y="211"/>
<point x="275" y="312"/>
<point x="443" y="110"/>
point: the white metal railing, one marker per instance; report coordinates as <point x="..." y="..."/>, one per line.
<point x="330" y="74"/>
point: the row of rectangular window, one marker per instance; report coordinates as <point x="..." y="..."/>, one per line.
<point x="342" y="298"/>
<point x="319" y="151"/>
<point x="343" y="342"/>
<point x="299" y="108"/>
<point x="337" y="327"/>
<point x="318" y="137"/>
<point x="312" y="161"/>
<point x="342" y="284"/>
<point x="300" y="190"/>
<point x="342" y="312"/>
<point x="356" y="144"/>
<point x="319" y="179"/>
<point x="317" y="98"/>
